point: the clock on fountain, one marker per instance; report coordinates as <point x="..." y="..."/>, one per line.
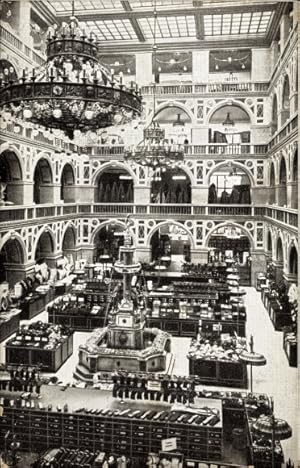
<point x="126" y="330"/>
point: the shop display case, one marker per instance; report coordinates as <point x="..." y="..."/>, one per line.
<point x="42" y="345"/>
<point x="9" y="322"/>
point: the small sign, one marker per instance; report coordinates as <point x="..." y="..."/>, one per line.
<point x="154" y="385"/>
<point x="168" y="445"/>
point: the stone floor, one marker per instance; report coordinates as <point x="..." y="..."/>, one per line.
<point x="276" y="379"/>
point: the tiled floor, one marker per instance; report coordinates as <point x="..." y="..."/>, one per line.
<point x="276" y="379"/>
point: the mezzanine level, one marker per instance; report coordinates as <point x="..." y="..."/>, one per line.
<point x="28" y="53"/>
<point x="16" y="215"/>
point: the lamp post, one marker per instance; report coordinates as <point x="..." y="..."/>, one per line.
<point x="253" y="359"/>
<point x="276" y="429"/>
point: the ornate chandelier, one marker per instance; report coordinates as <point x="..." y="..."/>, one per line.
<point x="155" y="150"/>
<point x="72" y="90"/>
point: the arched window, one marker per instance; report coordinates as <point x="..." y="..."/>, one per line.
<point x="293" y="261"/>
<point x="115" y="185"/>
<point x="274" y="114"/>
<point x="282" y="189"/>
<point x="67" y="183"/>
<point x="11" y="175"/>
<point x="229" y="127"/>
<point x="170" y="186"/>
<point x="42" y="190"/>
<point x="229" y="185"/>
<point x="286" y="100"/>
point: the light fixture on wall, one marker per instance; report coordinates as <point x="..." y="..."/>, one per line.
<point x="72" y="90"/>
<point x="155" y="151"/>
<point x="228" y="121"/>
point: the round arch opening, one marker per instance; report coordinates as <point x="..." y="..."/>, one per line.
<point x="269" y="244"/>
<point x="293" y="261"/>
<point x="44" y="248"/>
<point x="231" y="242"/>
<point x="11" y="254"/>
<point x="115" y="185"/>
<point x="7" y="71"/>
<point x="107" y="243"/>
<point x="279" y="251"/>
<point x="282" y="189"/>
<point x="272" y="185"/>
<point x="285" y="100"/>
<point x="294" y="195"/>
<point x="274" y="123"/>
<point x="170" y="186"/>
<point x="42" y="181"/>
<point x="176" y="122"/>
<point x="170" y="247"/>
<point x="229" y="185"/>
<point x="11" y="178"/>
<point x="229" y="125"/>
<point x="67" y="182"/>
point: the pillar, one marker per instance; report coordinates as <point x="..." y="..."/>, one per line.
<point x="200" y="66"/>
<point x="274" y="52"/>
<point x="258" y="265"/>
<point x="142" y="195"/>
<point x="199" y="255"/>
<point x="51" y="259"/>
<point x="285" y="24"/>
<point x="278" y="266"/>
<point x="143" y="254"/>
<point x="292" y="188"/>
<point x="144" y="68"/>
<point x="27" y="193"/>
<point x="199" y="194"/>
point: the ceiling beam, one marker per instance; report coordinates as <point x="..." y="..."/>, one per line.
<point x="134" y="23"/>
<point x="43" y="12"/>
<point x="275" y="24"/>
<point x="127" y="47"/>
<point x="136" y="14"/>
<point x="199" y="22"/>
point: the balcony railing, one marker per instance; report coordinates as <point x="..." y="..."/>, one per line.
<point x="190" y="150"/>
<point x="289" y="127"/>
<point x="208" y="88"/>
<point x="19" y="214"/>
<point x="12" y="39"/>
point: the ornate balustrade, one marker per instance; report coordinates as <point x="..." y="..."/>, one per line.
<point x="29" y="214"/>
<point x="208" y="88"/>
<point x="13" y="40"/>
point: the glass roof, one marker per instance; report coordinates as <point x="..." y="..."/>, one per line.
<point x="237" y="23"/>
<point x="169" y="26"/>
<point x="116" y="20"/>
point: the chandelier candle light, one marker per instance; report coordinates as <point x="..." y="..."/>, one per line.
<point x="72" y="90"/>
<point x="155" y="150"/>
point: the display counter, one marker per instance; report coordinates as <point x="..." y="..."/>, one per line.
<point x="290" y="346"/>
<point x="9" y="322"/>
<point x="216" y="362"/>
<point x="34" y="303"/>
<point x="45" y="346"/>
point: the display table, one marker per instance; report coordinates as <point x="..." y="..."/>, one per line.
<point x="279" y="317"/>
<point x="290" y="347"/>
<point x="216" y="361"/>
<point x="34" y="304"/>
<point x="48" y="349"/>
<point x="9" y="322"/>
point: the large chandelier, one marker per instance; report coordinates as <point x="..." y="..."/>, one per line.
<point x="72" y="90"/>
<point x="155" y="150"/>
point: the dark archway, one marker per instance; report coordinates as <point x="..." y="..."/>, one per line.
<point x="42" y="180"/>
<point x="293" y="261"/>
<point x="279" y="250"/>
<point x="69" y="240"/>
<point x="115" y="185"/>
<point x="176" y="122"/>
<point x="269" y="244"/>
<point x="295" y="167"/>
<point x="170" y="246"/>
<point x="285" y="100"/>
<point x="11" y="254"/>
<point x="274" y="114"/>
<point x="294" y="193"/>
<point x="282" y="189"/>
<point x="45" y="246"/>
<point x="230" y="124"/>
<point x="229" y="185"/>
<point x="170" y="186"/>
<point x="108" y="241"/>
<point x="272" y="185"/>
<point x="11" y="175"/>
<point x="67" y="182"/>
<point x="7" y="71"/>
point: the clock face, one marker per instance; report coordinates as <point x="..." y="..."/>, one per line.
<point x="123" y="338"/>
<point x="124" y="321"/>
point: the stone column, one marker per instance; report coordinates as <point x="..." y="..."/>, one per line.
<point x="144" y="68"/>
<point x="278" y="271"/>
<point x="199" y="194"/>
<point x="143" y="254"/>
<point x="284" y="31"/>
<point x="141" y="195"/>
<point x="293" y="194"/>
<point x="199" y="255"/>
